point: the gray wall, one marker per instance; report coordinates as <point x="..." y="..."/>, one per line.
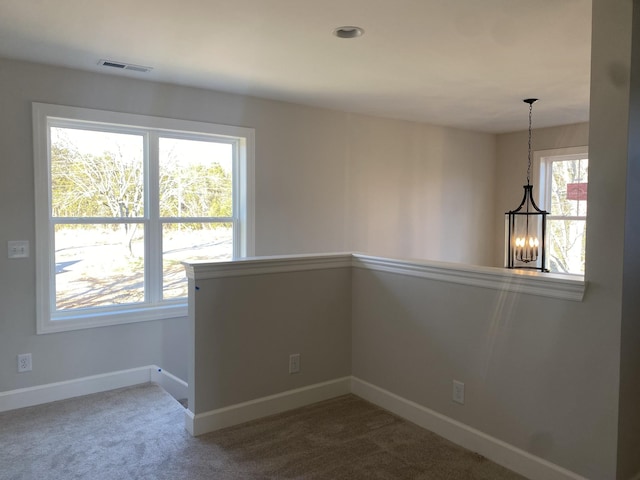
<point x="613" y="224"/>
<point x="245" y="328"/>
<point x="540" y="374"/>
<point x="629" y="417"/>
<point x="326" y="181"/>
<point x="422" y="193"/>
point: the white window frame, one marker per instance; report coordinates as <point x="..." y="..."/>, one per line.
<point x="45" y="115"/>
<point x="542" y="160"/>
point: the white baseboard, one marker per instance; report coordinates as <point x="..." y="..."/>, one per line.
<point x="262" y="407"/>
<point x="52" y="392"/>
<point x="500" y="452"/>
<point x="174" y="386"/>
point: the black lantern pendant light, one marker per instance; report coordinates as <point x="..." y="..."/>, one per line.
<point x="527" y="225"/>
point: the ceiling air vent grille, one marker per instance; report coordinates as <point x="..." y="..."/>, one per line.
<point x="124" y="66"/>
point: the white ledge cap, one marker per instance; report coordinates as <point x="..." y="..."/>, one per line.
<point x="553" y="285"/>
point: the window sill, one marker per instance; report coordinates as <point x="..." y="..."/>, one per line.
<point x="75" y="321"/>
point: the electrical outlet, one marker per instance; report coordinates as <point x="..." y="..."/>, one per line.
<point x="458" y="392"/>
<point x="294" y="363"/>
<point x="24" y="362"/>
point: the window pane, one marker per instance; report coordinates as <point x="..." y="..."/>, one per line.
<point x="195" y="178"/>
<point x="182" y="241"/>
<point x="566" y="249"/>
<point x="98" y="265"/>
<point x="96" y="174"/>
<point x="569" y="188"/>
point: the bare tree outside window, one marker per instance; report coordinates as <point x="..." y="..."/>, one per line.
<point x="98" y="201"/>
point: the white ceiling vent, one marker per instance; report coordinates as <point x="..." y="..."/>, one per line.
<point x="124" y="66"/>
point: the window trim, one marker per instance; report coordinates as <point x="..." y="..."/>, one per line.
<point x="243" y="204"/>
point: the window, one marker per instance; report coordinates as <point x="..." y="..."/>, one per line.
<point x="563" y="193"/>
<point x="121" y="201"/>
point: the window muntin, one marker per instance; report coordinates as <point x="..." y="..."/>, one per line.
<point x="121" y="200"/>
<point x="564" y="186"/>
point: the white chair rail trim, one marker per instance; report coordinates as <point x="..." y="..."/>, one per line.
<point x="564" y="287"/>
<point x="203" y="270"/>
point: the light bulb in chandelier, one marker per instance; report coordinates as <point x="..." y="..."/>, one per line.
<point x="527" y="248"/>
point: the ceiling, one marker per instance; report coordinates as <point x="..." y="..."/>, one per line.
<point x="459" y="63"/>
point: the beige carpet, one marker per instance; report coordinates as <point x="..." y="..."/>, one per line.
<point x="138" y="433"/>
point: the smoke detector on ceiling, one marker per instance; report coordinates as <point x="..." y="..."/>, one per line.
<point x="124" y="66"/>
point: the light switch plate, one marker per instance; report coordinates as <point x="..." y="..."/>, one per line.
<point x="18" y="248"/>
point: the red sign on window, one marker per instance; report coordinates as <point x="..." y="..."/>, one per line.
<point x="577" y="191"/>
